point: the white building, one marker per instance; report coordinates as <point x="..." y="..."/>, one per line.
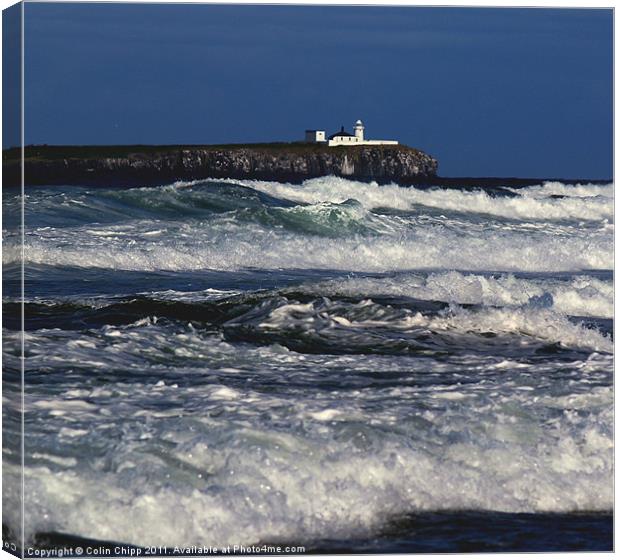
<point x="315" y="136"/>
<point x="344" y="138"/>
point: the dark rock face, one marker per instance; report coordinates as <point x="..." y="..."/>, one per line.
<point x="292" y="163"/>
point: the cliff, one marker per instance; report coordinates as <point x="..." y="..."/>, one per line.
<point x="149" y="165"/>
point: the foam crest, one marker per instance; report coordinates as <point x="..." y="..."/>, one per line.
<point x="538" y="323"/>
<point x="230" y="245"/>
<point x="524" y="206"/>
<point x="325" y="320"/>
<point x="580" y="295"/>
<point x="305" y="492"/>
<point x="555" y="188"/>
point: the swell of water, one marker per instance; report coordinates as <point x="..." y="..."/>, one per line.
<point x="581" y="295"/>
<point x="269" y="225"/>
<point x="250" y="361"/>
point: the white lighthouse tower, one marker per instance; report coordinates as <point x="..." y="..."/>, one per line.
<point x="344" y="138"/>
<point x="359" y="130"/>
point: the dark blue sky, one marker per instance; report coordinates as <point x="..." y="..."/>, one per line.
<point x="507" y="92"/>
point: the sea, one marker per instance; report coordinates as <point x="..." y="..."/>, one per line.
<point x="341" y="366"/>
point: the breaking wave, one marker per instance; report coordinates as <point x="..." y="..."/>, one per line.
<point x="579" y="202"/>
<point x="200" y="246"/>
<point x="580" y="295"/>
<point x="227" y="226"/>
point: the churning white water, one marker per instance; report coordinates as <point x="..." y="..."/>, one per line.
<point x="234" y="362"/>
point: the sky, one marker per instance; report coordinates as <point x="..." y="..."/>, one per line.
<point x="487" y="91"/>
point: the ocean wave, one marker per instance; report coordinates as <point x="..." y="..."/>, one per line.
<point x="580" y="295"/>
<point x="579" y="190"/>
<point x="324" y="325"/>
<point x="326" y="219"/>
<point x="549" y="202"/>
<point x="230" y="245"/>
<point x="57" y="207"/>
<point x="536" y="203"/>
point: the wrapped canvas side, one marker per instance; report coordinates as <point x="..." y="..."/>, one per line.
<point x="12" y="287"/>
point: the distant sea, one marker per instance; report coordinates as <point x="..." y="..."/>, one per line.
<point x="338" y="365"/>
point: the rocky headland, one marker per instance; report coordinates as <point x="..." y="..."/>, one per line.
<point x="156" y="165"/>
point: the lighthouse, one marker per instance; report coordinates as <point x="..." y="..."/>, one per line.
<point x="359" y="130"/>
<point x="344" y="138"/>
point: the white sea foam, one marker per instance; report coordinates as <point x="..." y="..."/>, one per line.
<point x="225" y="242"/>
<point x="580" y="295"/>
<point x="302" y="236"/>
<point x="591" y="202"/>
<point x="555" y="188"/>
<point x="346" y="461"/>
<point x="232" y="245"/>
<point x="530" y="322"/>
